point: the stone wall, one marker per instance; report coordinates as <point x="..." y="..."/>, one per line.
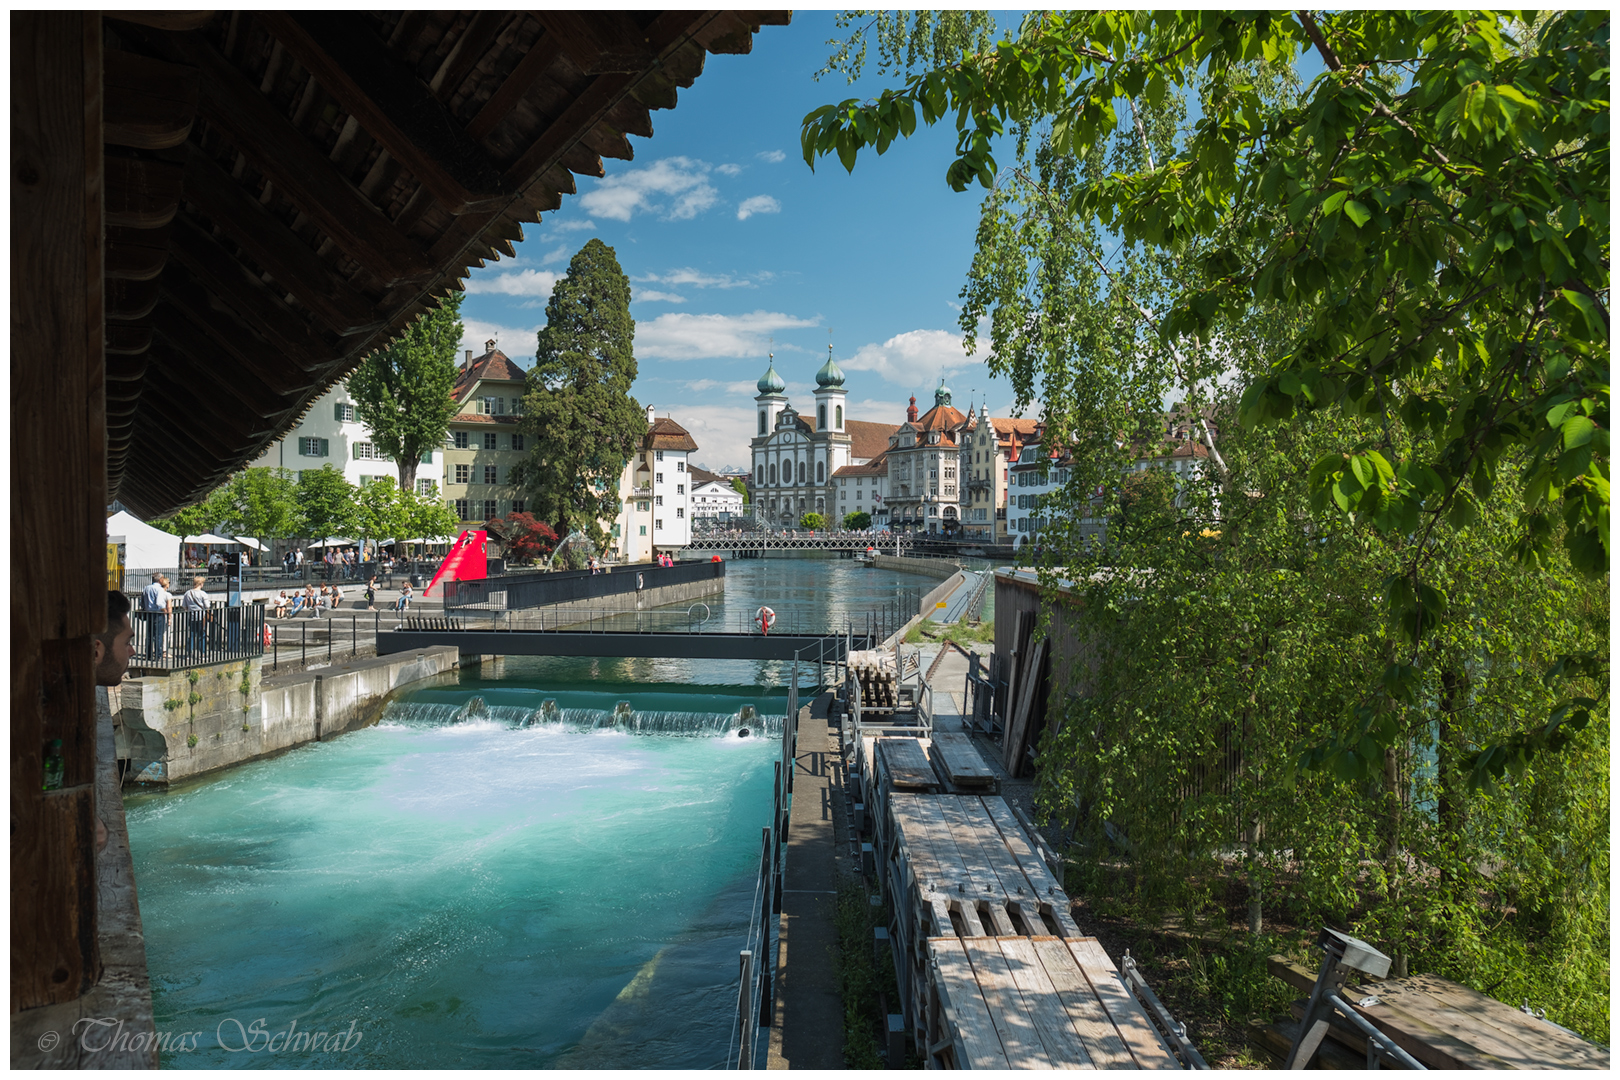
<point x="932" y="567"/>
<point x="192" y="722"/>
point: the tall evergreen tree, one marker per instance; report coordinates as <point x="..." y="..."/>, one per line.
<point x="403" y="393"/>
<point x="578" y="412"/>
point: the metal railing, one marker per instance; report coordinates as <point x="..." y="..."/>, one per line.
<point x="532" y="590"/>
<point x="183" y="638"/>
<point x="756" y="982"/>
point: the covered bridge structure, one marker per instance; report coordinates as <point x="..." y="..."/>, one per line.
<point x="215" y="216"/>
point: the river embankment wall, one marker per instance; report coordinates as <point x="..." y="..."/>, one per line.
<point x="926" y="607"/>
<point x="186" y="723"/>
<point x="940" y="568"/>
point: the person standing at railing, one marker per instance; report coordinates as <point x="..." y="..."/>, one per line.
<point x="194" y="609"/>
<point x="156" y="603"/>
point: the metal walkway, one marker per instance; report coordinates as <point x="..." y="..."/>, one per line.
<point x="811" y="648"/>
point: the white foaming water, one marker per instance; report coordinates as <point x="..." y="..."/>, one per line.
<point x="480" y="892"/>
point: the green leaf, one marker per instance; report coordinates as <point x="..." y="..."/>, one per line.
<point x="1357" y="213"/>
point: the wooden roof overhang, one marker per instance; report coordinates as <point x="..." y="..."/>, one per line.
<point x="285" y="191"/>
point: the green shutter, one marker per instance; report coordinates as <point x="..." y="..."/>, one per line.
<point x="337" y="410"/>
<point x="427" y="458"/>
<point x="355" y="448"/>
<point x="326" y="448"/>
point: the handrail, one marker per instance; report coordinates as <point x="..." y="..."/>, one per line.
<point x="1174" y="1033"/>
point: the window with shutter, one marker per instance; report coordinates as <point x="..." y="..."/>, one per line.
<point x="461" y="440"/>
<point x="489" y="440"/>
<point x="490" y="474"/>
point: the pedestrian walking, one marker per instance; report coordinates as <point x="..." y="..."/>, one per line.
<point x="194" y="609"/>
<point x="156" y="603"/>
<point x="371" y="593"/>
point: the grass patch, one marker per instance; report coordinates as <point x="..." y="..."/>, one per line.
<point x="959" y="632"/>
<point x="860" y="978"/>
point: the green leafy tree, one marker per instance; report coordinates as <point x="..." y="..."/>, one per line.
<point x="857" y="520"/>
<point x="906" y="39"/>
<point x="812" y="520"/>
<point x="326" y="503"/>
<point x="402" y="393"/>
<point x="380" y="510"/>
<point x="740" y="486"/>
<point x="1432" y="211"/>
<point x="264" y="503"/>
<point x="578" y="412"/>
<point x="426" y="516"/>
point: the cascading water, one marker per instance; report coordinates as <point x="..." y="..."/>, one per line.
<point x="503" y="873"/>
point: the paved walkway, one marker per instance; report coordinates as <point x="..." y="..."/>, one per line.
<point x="807" y="1031"/>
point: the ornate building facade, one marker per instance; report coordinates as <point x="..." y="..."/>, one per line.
<point x="796" y="459"/>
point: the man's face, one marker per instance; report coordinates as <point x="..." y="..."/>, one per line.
<point x="112" y="660"/>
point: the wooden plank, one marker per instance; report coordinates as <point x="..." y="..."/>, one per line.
<point x="907" y="765"/>
<point x="1046" y="1010"/>
<point x="929" y="832"/>
<point x="966" y="1014"/>
<point x="966" y="833"/>
<point x="1427" y="1030"/>
<point x="958" y="760"/>
<point x="1519" y="1039"/>
<point x="1023" y="850"/>
<point x="1086" y="1013"/>
<point x="1134" y="1028"/>
<point x="1008" y="1011"/>
<point x="1029" y="677"/>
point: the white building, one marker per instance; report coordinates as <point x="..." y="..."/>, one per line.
<point x="330" y="433"/>
<point x="655" y="492"/>
<point x="712" y="496"/>
<point x="861" y="489"/>
<point x="1035" y="475"/>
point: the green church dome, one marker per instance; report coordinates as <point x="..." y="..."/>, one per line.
<point x="830" y="374"/>
<point x="771" y="382"/>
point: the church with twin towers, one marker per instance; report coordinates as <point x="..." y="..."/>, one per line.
<point x="796" y="458"/>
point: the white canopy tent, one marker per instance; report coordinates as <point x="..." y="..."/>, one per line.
<point x="331" y="541"/>
<point x="209" y="538"/>
<point x="248" y="541"/>
<point x="145" y="547"/>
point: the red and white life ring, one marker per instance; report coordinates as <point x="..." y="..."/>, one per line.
<point x="766" y="619"/>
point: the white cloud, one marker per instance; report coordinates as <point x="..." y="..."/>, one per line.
<point x="683" y="336"/>
<point x="570" y="226"/>
<point x="654" y="294"/>
<point x="703" y="386"/>
<point x="916" y="358"/>
<point x="775" y="157"/>
<point x="515" y="341"/>
<point x="522" y="283"/>
<point x="697" y="279"/>
<point x="677" y="188"/>
<point x="757" y="204"/>
<point x="721" y="431"/>
<point x="556" y="254"/>
<point x="728" y="169"/>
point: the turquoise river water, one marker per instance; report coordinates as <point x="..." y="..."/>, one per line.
<point x="552" y="867"/>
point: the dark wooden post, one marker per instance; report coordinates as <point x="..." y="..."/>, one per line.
<point x="59" y="496"/>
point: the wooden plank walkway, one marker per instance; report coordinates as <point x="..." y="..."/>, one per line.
<point x="993" y="971"/>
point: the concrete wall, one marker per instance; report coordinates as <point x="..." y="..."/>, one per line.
<point x="932" y="567"/>
<point x="926" y="607"/>
<point x="238" y="715"/>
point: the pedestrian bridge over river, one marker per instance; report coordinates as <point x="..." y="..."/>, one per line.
<point x="650" y="634"/>
<point x="855" y="543"/>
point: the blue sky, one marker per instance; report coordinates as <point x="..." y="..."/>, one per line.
<point x="730" y="241"/>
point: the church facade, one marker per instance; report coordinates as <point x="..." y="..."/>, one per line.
<point x="796" y="457"/>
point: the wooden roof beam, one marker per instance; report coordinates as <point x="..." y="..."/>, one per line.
<point x="266" y="364"/>
<point x="464" y="55"/>
<point x="277" y="248"/>
<point x="251" y="300"/>
<point x="522" y="79"/>
<point x="346" y="57"/>
<point x="667" y="35"/>
<point x="302" y="173"/>
<point x="202" y="351"/>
